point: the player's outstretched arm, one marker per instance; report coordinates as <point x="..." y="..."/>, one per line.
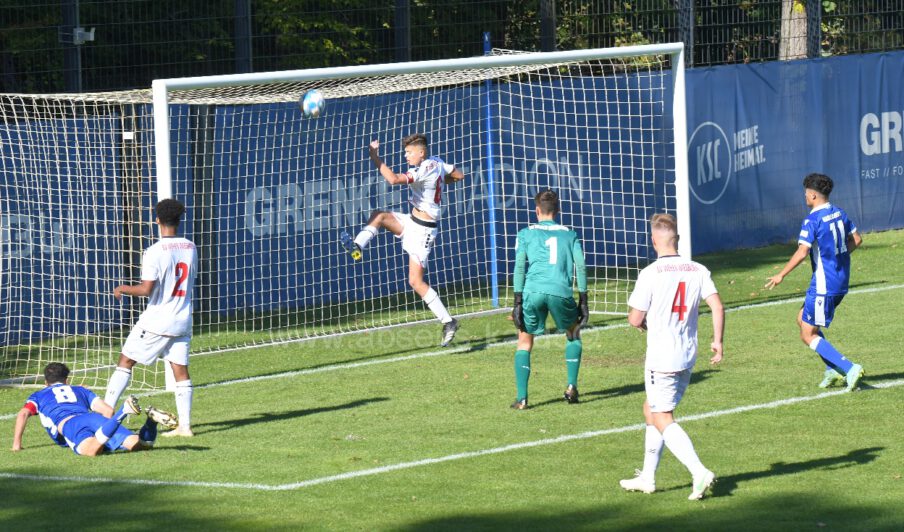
<point x="718" y="312"/>
<point x="19" y="429"/>
<point x="793" y="262"/>
<point x="391" y="177"/>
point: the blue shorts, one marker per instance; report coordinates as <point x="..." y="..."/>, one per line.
<point x="819" y="310"/>
<point x="81" y="427"/>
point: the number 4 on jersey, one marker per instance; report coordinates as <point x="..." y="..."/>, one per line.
<point x="678" y="304"/>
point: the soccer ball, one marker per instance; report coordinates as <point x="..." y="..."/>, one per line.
<point x="312" y="103"/>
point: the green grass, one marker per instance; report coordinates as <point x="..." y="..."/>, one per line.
<point x="831" y="463"/>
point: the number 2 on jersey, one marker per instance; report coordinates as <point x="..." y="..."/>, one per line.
<point x="181" y="276"/>
<point x="678" y="304"/>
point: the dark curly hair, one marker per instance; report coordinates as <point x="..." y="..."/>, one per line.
<point x="170" y="211"/>
<point x="820" y="183"/>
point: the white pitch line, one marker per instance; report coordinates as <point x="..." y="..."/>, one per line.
<point x="441" y="459"/>
<point x="463" y="349"/>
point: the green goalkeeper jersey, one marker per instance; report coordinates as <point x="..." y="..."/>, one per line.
<point x="554" y="258"/>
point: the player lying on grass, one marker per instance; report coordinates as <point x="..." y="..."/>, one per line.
<point x="828" y="237"/>
<point x="665" y="304"/>
<point x="554" y="257"/>
<point x="74" y="416"/>
<point x="417" y="230"/>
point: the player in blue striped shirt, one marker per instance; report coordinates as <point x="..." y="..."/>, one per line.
<point x="828" y="237"/>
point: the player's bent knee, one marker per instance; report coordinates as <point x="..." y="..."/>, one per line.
<point x="132" y="443"/>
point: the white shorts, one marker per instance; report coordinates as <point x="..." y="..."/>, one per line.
<point x="417" y="239"/>
<point x="146" y="347"/>
<point x="665" y="390"/>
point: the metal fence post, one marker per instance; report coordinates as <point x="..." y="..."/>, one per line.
<point x="814" y="29"/>
<point x="686" y="29"/>
<point x="548" y="25"/>
<point x="243" y="55"/>
<point x="402" y="31"/>
<point x="72" y="52"/>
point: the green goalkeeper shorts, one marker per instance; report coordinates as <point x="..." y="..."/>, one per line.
<point x="536" y="307"/>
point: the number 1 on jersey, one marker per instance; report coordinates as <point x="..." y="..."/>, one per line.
<point x="678" y="304"/>
<point x="553" y="244"/>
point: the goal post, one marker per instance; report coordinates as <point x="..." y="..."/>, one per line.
<point x="267" y="192"/>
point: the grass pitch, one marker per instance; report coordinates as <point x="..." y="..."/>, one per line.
<point x="387" y="431"/>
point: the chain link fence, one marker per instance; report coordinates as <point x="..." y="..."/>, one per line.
<point x="94" y="45"/>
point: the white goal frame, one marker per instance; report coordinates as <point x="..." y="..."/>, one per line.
<point x="161" y="89"/>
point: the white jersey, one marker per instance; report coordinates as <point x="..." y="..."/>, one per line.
<point x="173" y="264"/>
<point x="669" y="291"/>
<point x="426" y="183"/>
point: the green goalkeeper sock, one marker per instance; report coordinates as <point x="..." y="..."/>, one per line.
<point x="522" y="372"/>
<point x="573" y="349"/>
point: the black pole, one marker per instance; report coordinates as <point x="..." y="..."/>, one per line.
<point x="547" y="25"/>
<point x="814" y="29"/>
<point x="72" y="53"/>
<point x="402" y="31"/>
<point x="243" y="55"/>
<point x="686" y="29"/>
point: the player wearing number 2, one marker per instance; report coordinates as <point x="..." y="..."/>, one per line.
<point x="554" y="258"/>
<point x="168" y="271"/>
<point x="665" y="303"/>
<point x="828" y="237"/>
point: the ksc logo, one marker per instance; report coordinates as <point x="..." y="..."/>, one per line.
<point x="709" y="162"/>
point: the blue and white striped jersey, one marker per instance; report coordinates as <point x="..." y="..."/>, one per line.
<point x="825" y="231"/>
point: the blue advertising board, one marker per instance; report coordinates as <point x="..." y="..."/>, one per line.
<point x="755" y="131"/>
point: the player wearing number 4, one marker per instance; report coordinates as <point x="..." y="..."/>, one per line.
<point x="665" y="303"/>
<point x="168" y="271"/>
<point x="417" y="231"/>
<point x="554" y="258"/>
<point x="74" y="416"/>
<point x="828" y="237"/>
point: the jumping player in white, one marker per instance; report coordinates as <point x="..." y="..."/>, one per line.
<point x="417" y="230"/>
<point x="168" y="273"/>
<point x="665" y="302"/>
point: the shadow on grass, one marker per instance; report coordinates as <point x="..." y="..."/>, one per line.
<point x="725" y="486"/>
<point x="608" y="393"/>
<point x="42" y="505"/>
<point x="158" y="447"/>
<point x="230" y="424"/>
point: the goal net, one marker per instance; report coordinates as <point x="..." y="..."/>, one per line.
<point x="268" y="191"/>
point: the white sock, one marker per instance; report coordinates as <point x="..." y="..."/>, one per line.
<point x="183" y="402"/>
<point x="365" y="235"/>
<point x="101" y="437"/>
<point x="680" y="444"/>
<point x="116" y="385"/>
<point x="431" y="298"/>
<point x="652" y="452"/>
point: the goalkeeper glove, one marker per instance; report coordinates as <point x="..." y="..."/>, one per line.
<point x="583" y="310"/>
<point x="518" y="312"/>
